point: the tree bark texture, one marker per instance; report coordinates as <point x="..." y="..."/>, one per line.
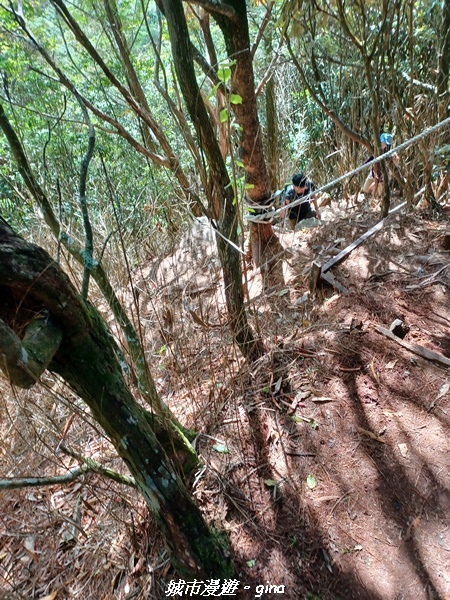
<point x="31" y="282"/>
<point x="237" y="40"/>
<point x="272" y="134"/>
<point x="24" y="360"/>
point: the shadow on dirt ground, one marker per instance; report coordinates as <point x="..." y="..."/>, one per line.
<point x="336" y="479"/>
<point x="326" y="461"/>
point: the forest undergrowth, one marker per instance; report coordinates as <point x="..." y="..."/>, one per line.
<point x="326" y="461"/>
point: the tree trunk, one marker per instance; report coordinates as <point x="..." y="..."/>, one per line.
<point x="123" y="54"/>
<point x="266" y="250"/>
<point x="444" y="60"/>
<point x="272" y="142"/>
<point x="272" y="134"/>
<point x="144" y="379"/>
<point x="221" y="189"/>
<point x="87" y="361"/>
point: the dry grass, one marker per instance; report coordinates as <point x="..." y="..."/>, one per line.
<point x="328" y="401"/>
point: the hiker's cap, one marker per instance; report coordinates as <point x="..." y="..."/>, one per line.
<point x="386" y="138"/>
<point x="299" y="180"/>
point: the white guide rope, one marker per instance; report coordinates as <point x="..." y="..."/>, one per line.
<point x="266" y="218"/>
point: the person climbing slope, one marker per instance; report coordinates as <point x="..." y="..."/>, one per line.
<point x="301" y="187"/>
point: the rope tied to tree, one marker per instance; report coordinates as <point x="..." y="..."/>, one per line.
<point x="267" y="217"/>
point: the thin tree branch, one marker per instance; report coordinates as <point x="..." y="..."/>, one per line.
<point x="16" y="483"/>
<point x="105" y="243"/>
<point x="269" y="71"/>
<point x="207" y="69"/>
<point x="123" y="54"/>
<point x="204" y="20"/>
<point x="176" y="112"/>
<point x="92" y="465"/>
<point x="89" y="465"/>
<point x="346" y="27"/>
<point x="384" y="28"/>
<point x="262" y="27"/>
<point x="88" y="245"/>
<point x="328" y="111"/>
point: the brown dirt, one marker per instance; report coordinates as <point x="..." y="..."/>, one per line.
<point x="327" y="461"/>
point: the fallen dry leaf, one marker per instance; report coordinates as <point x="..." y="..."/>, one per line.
<point x="50" y="596"/>
<point x="391" y="364"/>
<point x="370" y="434"/>
<point x="403" y="450"/>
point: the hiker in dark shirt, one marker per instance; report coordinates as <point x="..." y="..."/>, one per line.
<point x="301" y="186"/>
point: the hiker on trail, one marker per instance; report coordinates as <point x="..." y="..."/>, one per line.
<point x="374" y="182"/>
<point x="301" y="186"/>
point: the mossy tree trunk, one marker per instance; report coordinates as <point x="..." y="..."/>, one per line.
<point x="86" y="359"/>
<point x="144" y="381"/>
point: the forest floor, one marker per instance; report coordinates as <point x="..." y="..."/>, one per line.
<point x="327" y="461"/>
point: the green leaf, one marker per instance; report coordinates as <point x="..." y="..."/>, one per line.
<point x="224" y="74"/>
<point x="270" y="482"/>
<point x="235" y="99"/>
<point x="222" y="448"/>
<point x="239" y="163"/>
<point x="223" y="115"/>
<point x="298" y="419"/>
<point x="251" y="563"/>
<point x="249" y="186"/>
<point x="311" y="481"/>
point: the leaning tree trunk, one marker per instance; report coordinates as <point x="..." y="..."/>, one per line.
<point x="221" y="188"/>
<point x="85" y="358"/>
<point x="144" y="379"/>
